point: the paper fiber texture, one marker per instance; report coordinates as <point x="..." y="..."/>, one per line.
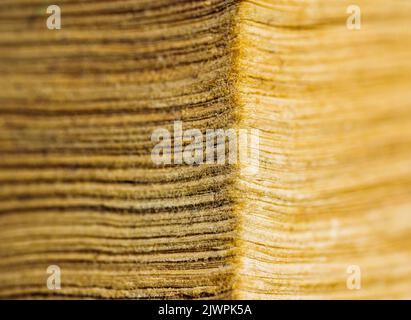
<point x="93" y="205"/>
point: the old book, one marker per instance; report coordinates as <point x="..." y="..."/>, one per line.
<point x="205" y="149"/>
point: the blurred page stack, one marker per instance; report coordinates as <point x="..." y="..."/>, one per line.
<point x="325" y="83"/>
